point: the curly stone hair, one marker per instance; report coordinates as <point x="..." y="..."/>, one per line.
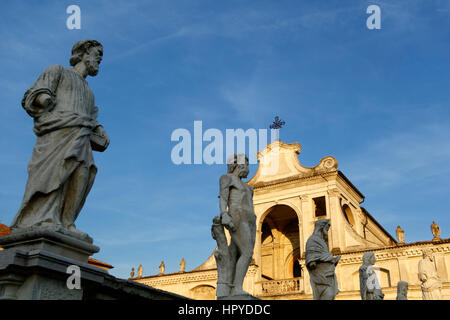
<point x="80" y="48"/>
<point x="234" y="160"/>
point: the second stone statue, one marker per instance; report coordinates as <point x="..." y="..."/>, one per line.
<point x="238" y="217"/>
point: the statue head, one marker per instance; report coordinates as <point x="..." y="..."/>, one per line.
<point x="402" y="288"/>
<point x="89" y="52"/>
<point x="321" y="228"/>
<point x="238" y="164"/>
<point x="369" y="258"/>
<point x="427" y="254"/>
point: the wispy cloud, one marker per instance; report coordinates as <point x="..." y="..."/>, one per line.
<point x="401" y="157"/>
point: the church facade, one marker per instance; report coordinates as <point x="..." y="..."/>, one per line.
<point x="288" y="199"/>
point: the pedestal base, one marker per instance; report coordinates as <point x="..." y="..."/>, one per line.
<point x="56" y="240"/>
<point x="34" y="265"/>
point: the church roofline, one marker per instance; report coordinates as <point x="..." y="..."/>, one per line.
<point x="377" y="223"/>
<point x="411" y="244"/>
<point x="173" y="274"/>
<point x="342" y="175"/>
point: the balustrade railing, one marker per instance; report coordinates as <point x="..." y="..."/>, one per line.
<point x="270" y="287"/>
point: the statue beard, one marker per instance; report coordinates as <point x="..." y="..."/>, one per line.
<point x="92" y="67"/>
<point x="243" y="173"/>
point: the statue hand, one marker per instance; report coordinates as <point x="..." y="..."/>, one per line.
<point x="312" y="265"/>
<point x="227" y="221"/>
<point x="99" y="130"/>
<point x="45" y="101"/>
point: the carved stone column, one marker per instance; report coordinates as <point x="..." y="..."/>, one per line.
<point x="337" y="236"/>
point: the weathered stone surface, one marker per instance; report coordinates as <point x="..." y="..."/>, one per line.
<point x="402" y="290"/>
<point x="61" y="170"/>
<point x="52" y="239"/>
<point x="320" y="263"/>
<point x="400" y="235"/>
<point x="238" y="216"/>
<point x="431" y="283"/>
<point x="369" y="285"/>
<point x="41" y="275"/>
<point x="436" y="231"/>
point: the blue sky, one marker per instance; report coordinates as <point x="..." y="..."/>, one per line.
<point x="376" y="100"/>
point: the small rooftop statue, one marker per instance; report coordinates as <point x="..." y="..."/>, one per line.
<point x="370" y="288"/>
<point x="140" y="271"/>
<point x="162" y="268"/>
<point x="400" y="235"/>
<point x="436" y="231"/>
<point x="132" y="273"/>
<point x="320" y="263"/>
<point x="182" y="265"/>
<point x="402" y="290"/>
<point x="238" y="216"/>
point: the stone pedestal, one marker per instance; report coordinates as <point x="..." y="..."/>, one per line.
<point x="34" y="266"/>
<point x="56" y="240"/>
<point x="34" y="262"/>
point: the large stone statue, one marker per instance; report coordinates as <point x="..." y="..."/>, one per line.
<point x="61" y="170"/>
<point x="238" y="216"/>
<point x="428" y="276"/>
<point x="402" y="290"/>
<point x="400" y="235"/>
<point x="369" y="285"/>
<point x="320" y="263"/>
<point x="436" y="231"/>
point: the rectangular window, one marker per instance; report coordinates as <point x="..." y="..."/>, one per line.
<point x="321" y="207"/>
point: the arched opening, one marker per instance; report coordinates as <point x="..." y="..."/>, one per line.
<point x="280" y="243"/>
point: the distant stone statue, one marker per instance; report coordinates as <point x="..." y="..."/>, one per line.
<point x="162" y="268"/>
<point x="132" y="273"/>
<point x="61" y="170"/>
<point x="436" y="231"/>
<point x="238" y="216"/>
<point x="428" y="276"/>
<point x="140" y="270"/>
<point x="402" y="290"/>
<point x="320" y="263"/>
<point x="400" y="235"/>
<point x="182" y="265"/>
<point x="370" y="288"/>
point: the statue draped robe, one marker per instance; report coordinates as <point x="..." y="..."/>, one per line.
<point x="61" y="170"/>
<point x="322" y="277"/>
<point x="431" y="283"/>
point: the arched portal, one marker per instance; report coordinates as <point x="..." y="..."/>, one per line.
<point x="279" y="243"/>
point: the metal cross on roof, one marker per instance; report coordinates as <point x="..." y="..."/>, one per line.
<point x="277" y="124"/>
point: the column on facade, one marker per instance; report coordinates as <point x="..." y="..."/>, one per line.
<point x="337" y="237"/>
<point x="307" y="230"/>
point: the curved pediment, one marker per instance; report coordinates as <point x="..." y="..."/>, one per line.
<point x="279" y="161"/>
